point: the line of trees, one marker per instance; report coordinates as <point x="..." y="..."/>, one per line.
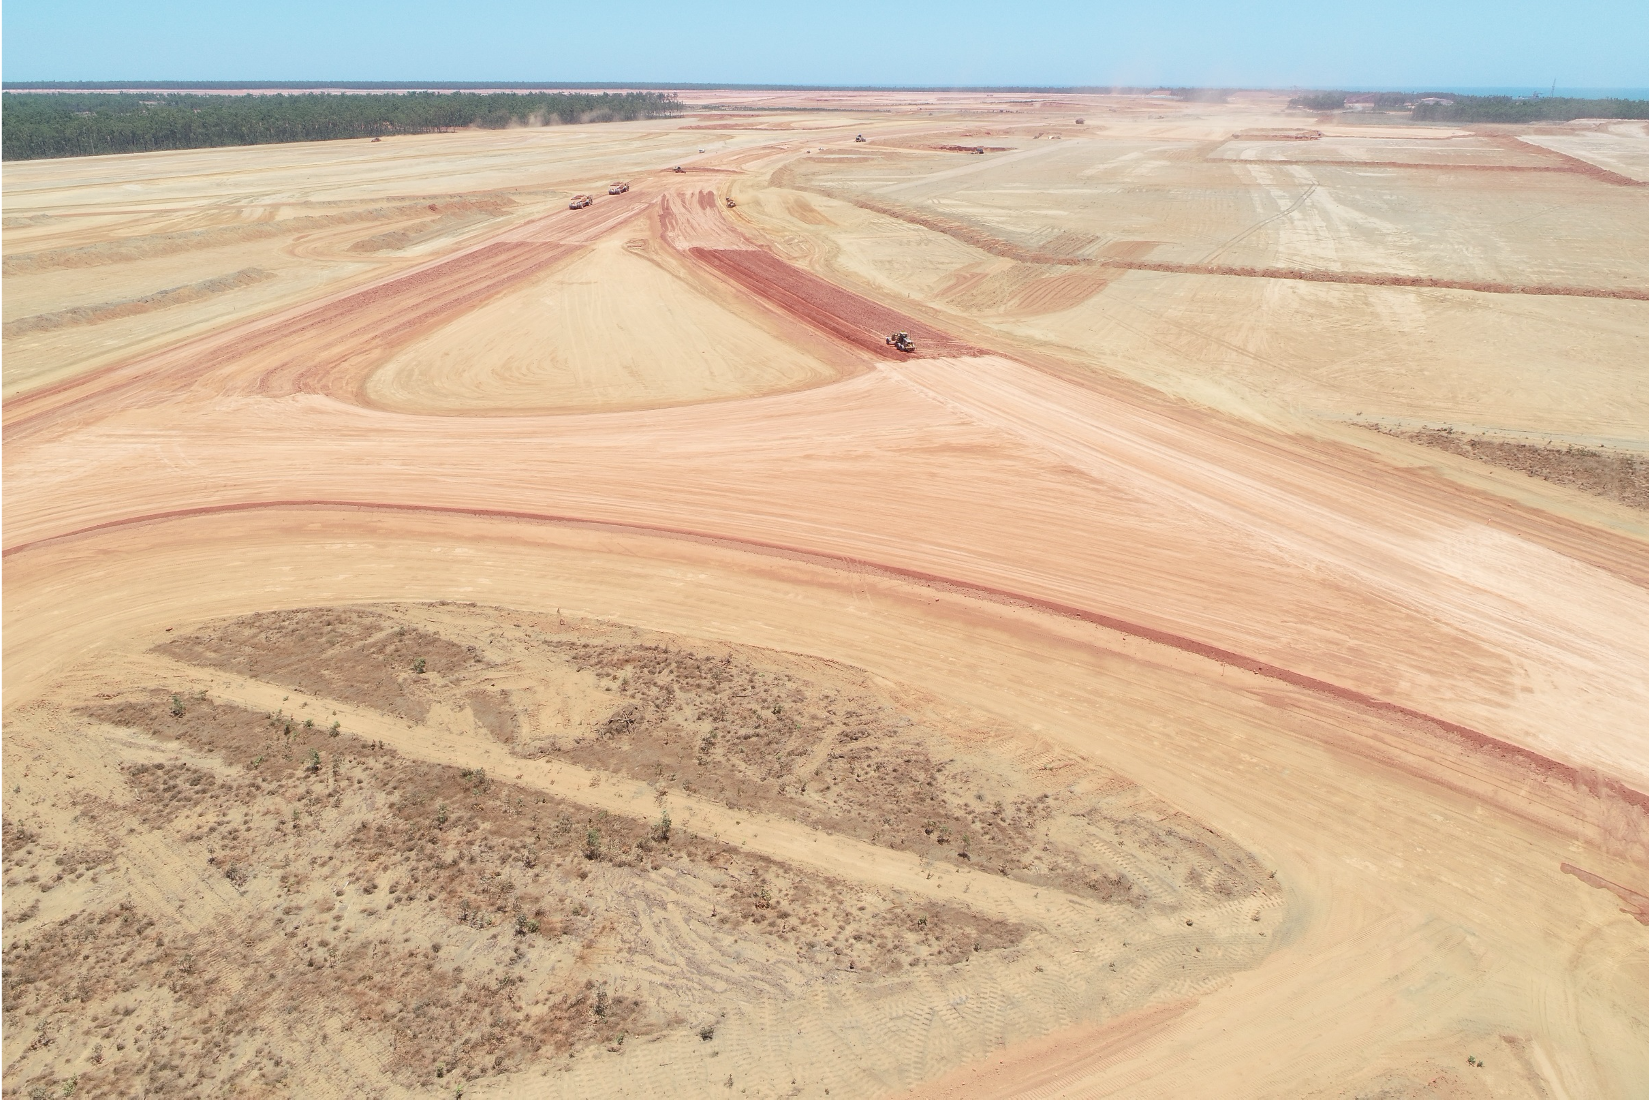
<point x="34" y="125"/>
<point x="1500" y="108"/>
<point x="1482" y="108"/>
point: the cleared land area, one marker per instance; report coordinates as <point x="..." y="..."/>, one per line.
<point x="569" y="653"/>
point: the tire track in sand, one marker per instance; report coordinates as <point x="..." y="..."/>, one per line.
<point x="1520" y="780"/>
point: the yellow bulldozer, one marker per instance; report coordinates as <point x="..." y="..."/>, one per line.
<point x="902" y="341"/>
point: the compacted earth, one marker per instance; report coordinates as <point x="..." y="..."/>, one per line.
<point x="455" y="643"/>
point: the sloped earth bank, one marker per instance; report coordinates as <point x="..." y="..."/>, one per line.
<point x="422" y="923"/>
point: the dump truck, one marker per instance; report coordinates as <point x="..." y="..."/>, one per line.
<point x="859" y="137"/>
<point x="730" y="202"/>
<point x="902" y="341"/>
<point x="618" y="188"/>
<point x="580" y="202"/>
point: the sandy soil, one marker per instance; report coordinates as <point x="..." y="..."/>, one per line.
<point x="569" y="518"/>
<point x="587" y="337"/>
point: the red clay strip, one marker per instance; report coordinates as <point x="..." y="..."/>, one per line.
<point x="1567" y="162"/>
<point x="1504" y="751"/>
<point x="826" y="306"/>
<point x="350" y="329"/>
<point x="1637" y="904"/>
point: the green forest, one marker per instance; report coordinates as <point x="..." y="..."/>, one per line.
<point x="1483" y="108"/>
<point x="1500" y="108"/>
<point x="79" y="124"/>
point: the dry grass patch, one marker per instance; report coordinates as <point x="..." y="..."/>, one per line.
<point x="417" y="922"/>
<point x="1613" y="475"/>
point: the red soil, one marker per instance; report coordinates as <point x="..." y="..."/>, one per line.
<point x="1637" y="905"/>
<point x="1614" y="816"/>
<point x="1567" y="163"/>
<point x="332" y="346"/>
<point x="840" y="313"/>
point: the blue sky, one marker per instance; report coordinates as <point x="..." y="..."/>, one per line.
<point x="1276" y="43"/>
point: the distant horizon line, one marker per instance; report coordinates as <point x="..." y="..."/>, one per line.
<point x="518" y="85"/>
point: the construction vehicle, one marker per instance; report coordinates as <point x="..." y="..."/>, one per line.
<point x="859" y="137"/>
<point x="730" y="202"/>
<point x="618" y="188"/>
<point x="580" y="202"/>
<point x="678" y="168"/>
<point x="902" y="341"/>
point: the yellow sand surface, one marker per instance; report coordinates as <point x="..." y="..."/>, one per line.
<point x="614" y="329"/>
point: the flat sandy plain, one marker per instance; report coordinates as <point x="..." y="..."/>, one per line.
<point x="456" y="644"/>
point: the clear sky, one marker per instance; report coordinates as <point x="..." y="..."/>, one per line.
<point x="1257" y="43"/>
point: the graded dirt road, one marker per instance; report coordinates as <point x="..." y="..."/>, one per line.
<point x="1087" y="703"/>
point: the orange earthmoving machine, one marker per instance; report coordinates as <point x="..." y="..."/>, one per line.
<point x="618" y="188"/>
<point x="580" y="202"/>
